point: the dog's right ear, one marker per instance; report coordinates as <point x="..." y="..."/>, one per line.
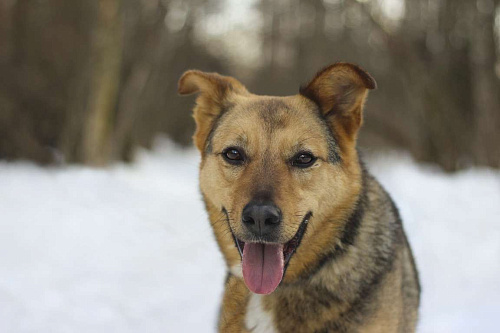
<point x="215" y="94"/>
<point x="340" y="91"/>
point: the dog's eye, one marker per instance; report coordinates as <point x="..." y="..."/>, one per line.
<point x="303" y="160"/>
<point x="233" y="156"/>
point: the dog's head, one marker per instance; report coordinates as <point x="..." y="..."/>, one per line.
<point x="279" y="175"/>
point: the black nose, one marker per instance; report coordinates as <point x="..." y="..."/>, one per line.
<point x="261" y="218"/>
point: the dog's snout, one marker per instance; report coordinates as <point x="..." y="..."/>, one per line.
<point x="261" y="218"/>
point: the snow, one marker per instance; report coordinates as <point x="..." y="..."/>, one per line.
<point x="129" y="248"/>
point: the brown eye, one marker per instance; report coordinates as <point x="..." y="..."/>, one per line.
<point x="303" y="160"/>
<point x="233" y="156"/>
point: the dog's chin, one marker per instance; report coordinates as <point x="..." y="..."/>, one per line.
<point x="264" y="263"/>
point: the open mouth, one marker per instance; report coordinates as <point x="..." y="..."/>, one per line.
<point x="264" y="264"/>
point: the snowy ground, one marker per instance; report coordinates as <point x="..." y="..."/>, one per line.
<point x="129" y="249"/>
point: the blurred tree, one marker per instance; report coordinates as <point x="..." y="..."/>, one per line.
<point x="435" y="63"/>
<point x="89" y="81"/>
<point x="106" y="57"/>
<point x="486" y="82"/>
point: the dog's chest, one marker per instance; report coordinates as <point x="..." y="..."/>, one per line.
<point x="257" y="319"/>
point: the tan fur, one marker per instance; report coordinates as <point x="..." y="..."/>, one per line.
<point x="271" y="130"/>
<point x="232" y="314"/>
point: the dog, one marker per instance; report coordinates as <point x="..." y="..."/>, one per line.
<point x="312" y="241"/>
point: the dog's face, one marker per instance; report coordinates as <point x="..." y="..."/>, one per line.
<point x="279" y="175"/>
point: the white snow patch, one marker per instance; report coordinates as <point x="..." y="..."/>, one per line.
<point x="129" y="248"/>
<point x="453" y="225"/>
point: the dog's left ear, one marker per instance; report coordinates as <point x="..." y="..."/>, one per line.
<point x="340" y="91"/>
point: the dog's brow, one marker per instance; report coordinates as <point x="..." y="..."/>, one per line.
<point x="240" y="140"/>
<point x="300" y="146"/>
<point x="302" y="140"/>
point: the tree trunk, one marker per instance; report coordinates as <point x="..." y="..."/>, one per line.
<point x="486" y="90"/>
<point x="106" y="56"/>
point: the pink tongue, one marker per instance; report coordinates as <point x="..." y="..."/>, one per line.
<point x="263" y="266"/>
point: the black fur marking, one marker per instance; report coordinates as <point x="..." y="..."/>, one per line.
<point x="324" y="297"/>
<point x="413" y="264"/>
<point x="352" y="226"/>
<point x="271" y="113"/>
<point x="349" y="233"/>
<point x="262" y="194"/>
<point x="299" y="235"/>
<point x="369" y="287"/>
<point x="406" y="243"/>
<point x="308" y="93"/>
<point x="240" y="250"/>
<point x="381" y="263"/>
<point x="214" y="125"/>
<point x="228" y="276"/>
<point x="315" y="299"/>
<point x="333" y="148"/>
<point x="359" y="308"/>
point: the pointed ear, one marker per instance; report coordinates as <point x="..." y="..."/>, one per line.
<point x="340" y="91"/>
<point x="215" y="94"/>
